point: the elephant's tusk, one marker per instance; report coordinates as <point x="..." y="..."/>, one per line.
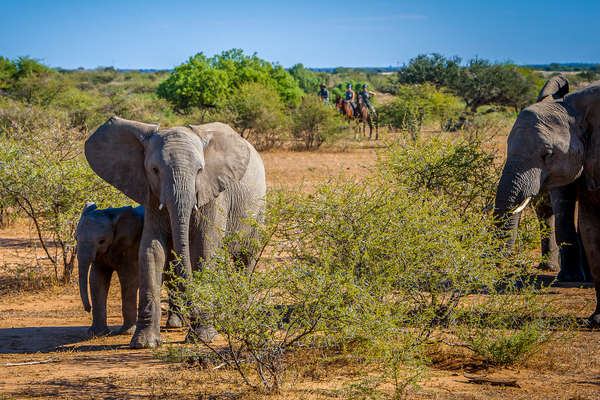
<point x="161" y="205"/>
<point x="522" y="205"/>
<point x="196" y="207"/>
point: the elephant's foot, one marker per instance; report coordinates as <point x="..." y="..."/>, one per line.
<point x="126" y="330"/>
<point x="570" y="276"/>
<point x="99" y="331"/>
<point x="174" y="321"/>
<point x="547" y="266"/>
<point x="201" y="333"/>
<point x="145" y="338"/>
<point x="594" y="320"/>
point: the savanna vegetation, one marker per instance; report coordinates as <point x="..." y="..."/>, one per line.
<point x="382" y="271"/>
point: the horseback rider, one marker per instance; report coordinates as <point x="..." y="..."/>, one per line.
<point x="366" y="94"/>
<point x="350" y="96"/>
<point x="324" y="94"/>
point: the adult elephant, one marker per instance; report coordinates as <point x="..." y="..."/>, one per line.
<point x="553" y="144"/>
<point x="555" y="210"/>
<point x="197" y="184"/>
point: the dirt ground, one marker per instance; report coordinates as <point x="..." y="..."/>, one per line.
<point x="41" y="323"/>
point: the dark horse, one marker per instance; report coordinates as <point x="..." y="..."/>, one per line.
<point x="364" y="116"/>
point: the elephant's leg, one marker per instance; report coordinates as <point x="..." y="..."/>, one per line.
<point x="563" y="203"/>
<point x="206" y="241"/>
<point x="99" y="285"/>
<point x="151" y="260"/>
<point x="589" y="225"/>
<point x="550" y="253"/>
<point x="128" y="277"/>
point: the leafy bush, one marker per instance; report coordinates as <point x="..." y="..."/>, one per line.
<point x="256" y="111"/>
<point x="313" y="123"/>
<point x="44" y="175"/>
<point x="430" y="68"/>
<point x="460" y="169"/>
<point x="376" y="270"/>
<point x="416" y="104"/>
<point x="307" y="80"/>
<point x="207" y="82"/>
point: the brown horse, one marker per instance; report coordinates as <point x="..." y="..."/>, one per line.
<point x="345" y="108"/>
<point x="365" y="117"/>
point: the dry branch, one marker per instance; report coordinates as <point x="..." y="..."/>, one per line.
<point x="51" y="359"/>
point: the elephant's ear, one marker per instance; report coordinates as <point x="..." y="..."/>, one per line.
<point x="115" y="151"/>
<point x="556" y="87"/>
<point x="586" y="106"/>
<point x="226" y="157"/>
<point x="128" y="225"/>
<point x="89" y="206"/>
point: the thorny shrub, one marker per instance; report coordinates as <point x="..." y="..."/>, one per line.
<point x="378" y="271"/>
<point x="44" y="176"/>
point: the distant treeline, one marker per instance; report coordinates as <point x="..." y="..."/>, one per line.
<point x="566" y="67"/>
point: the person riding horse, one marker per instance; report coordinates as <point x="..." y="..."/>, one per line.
<point x="350" y="97"/>
<point x="324" y="94"/>
<point x="366" y="94"/>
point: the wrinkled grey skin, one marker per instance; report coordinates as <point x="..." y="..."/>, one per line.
<point x="553" y="144"/>
<point x="208" y="181"/>
<point x="108" y="241"/>
<point x="555" y="209"/>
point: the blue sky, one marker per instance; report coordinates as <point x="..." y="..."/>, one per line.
<point x="163" y="34"/>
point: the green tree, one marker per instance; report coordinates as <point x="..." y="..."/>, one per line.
<point x="256" y="111"/>
<point x="314" y="122"/>
<point x="433" y="68"/>
<point x="8" y="70"/>
<point x="195" y="84"/>
<point x="307" y="80"/>
<point x="207" y="82"/>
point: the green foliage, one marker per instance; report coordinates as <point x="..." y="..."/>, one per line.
<point x="478" y="83"/>
<point x="256" y="111"/>
<point x="417" y="104"/>
<point x="314" y="123"/>
<point x="207" y="82"/>
<point x="460" y="169"/>
<point x="376" y="270"/>
<point x="481" y="82"/>
<point x="432" y="68"/>
<point x="8" y="70"/>
<point x="307" y="80"/>
<point x="195" y="84"/>
<point x="44" y="176"/>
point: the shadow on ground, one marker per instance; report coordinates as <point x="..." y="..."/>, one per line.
<point x="47" y="339"/>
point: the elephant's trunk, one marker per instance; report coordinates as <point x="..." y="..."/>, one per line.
<point x="180" y="203"/>
<point x="84" y="259"/>
<point x="513" y="194"/>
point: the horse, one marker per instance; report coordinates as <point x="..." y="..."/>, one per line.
<point x="345" y="108"/>
<point x="364" y="116"/>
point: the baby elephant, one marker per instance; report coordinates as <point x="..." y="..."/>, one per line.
<point x="109" y="240"/>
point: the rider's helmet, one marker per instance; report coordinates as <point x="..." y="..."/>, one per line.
<point x="322" y="86"/>
<point x="349" y="86"/>
<point x="365" y="86"/>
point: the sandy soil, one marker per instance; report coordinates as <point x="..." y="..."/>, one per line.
<point x="38" y="323"/>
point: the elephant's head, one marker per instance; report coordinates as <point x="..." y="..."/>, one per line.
<point x="551" y="144"/>
<point x="174" y="170"/>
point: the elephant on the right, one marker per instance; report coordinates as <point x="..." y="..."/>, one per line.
<point x="555" y="209"/>
<point x="554" y="144"/>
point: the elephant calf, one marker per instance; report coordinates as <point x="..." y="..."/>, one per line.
<point x="108" y="240"/>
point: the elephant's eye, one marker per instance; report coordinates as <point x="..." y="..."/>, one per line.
<point x="155" y="170"/>
<point x="101" y="241"/>
<point x="547" y="154"/>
